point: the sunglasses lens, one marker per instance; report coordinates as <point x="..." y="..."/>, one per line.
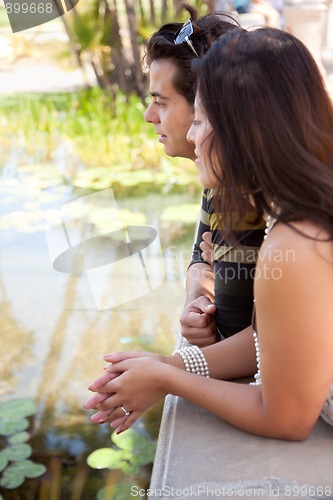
<point x="185" y="31"/>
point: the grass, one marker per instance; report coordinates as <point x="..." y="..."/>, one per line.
<point x="4" y="22"/>
<point x="106" y="136"/>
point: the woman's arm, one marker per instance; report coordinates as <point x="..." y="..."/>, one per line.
<point x="294" y="286"/>
<point x="232" y="358"/>
<point x="293" y="290"/>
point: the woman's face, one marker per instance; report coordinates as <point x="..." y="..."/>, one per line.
<point x="199" y="134"/>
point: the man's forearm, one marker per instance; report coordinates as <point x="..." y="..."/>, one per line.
<point x="199" y="282"/>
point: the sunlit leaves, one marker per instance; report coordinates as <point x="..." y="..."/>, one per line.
<point x="134" y="450"/>
<point x="141" y="450"/>
<point x="106" y="458"/>
<point x="80" y="130"/>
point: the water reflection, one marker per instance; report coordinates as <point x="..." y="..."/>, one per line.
<point x="53" y="337"/>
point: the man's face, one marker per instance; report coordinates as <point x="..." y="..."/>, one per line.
<point x="169" y="111"/>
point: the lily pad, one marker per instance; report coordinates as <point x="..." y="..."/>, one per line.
<point x="141" y="449"/>
<point x="3" y="461"/>
<point x="130" y="468"/>
<point x="11" y="478"/>
<point x="17" y="452"/>
<point x="144" y="457"/>
<point x="9" y="427"/>
<point x="30" y="469"/>
<point x="18" y="408"/>
<point x="131" y="440"/>
<point x="106" y="458"/>
<point x="21" y="437"/>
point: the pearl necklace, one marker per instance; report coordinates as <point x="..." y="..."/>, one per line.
<point x="269" y="225"/>
<point x="257" y="378"/>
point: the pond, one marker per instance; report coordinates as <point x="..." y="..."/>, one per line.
<point x="60" y="314"/>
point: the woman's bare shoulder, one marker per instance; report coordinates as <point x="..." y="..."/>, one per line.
<point x="305" y="239"/>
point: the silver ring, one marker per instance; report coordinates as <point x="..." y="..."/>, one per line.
<point x="125" y="411"/>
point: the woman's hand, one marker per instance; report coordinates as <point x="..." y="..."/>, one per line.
<point x="134" y="381"/>
<point x="100" y="385"/>
<point x="206" y="247"/>
<point x="121" y="356"/>
<point x="139" y="387"/>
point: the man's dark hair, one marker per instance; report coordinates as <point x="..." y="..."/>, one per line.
<point x="206" y="30"/>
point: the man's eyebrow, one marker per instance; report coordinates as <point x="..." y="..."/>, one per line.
<point x="157" y="94"/>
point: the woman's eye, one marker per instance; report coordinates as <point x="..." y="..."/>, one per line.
<point x="196" y="122"/>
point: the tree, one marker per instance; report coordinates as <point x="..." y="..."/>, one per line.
<point x="110" y="35"/>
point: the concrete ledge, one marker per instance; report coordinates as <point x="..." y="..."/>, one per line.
<point x="199" y="456"/>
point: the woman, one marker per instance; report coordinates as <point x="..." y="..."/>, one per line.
<point x="263" y="134"/>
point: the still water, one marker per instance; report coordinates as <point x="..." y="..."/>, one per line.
<point x="56" y="323"/>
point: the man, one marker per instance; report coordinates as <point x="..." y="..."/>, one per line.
<point x="219" y="294"/>
<point x="219" y="298"/>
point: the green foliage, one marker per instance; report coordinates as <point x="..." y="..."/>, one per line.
<point x="8" y="426"/>
<point x="11" y="478"/>
<point x="105" y="134"/>
<point x="90" y="28"/>
<point x="4" y="23"/>
<point x="21" y="437"/>
<point x="187" y="213"/>
<point x="17" y="452"/>
<point x="17" y="407"/>
<point x="115" y="492"/>
<point x="29" y="469"/>
<point x="14" y="465"/>
<point x="16" y="473"/>
<point x="3" y="461"/>
<point x="84" y="29"/>
<point x="134" y="450"/>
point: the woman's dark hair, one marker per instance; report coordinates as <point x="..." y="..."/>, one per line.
<point x="272" y="122"/>
<point x="206" y="30"/>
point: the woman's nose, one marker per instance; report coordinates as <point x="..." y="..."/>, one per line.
<point x="190" y="135"/>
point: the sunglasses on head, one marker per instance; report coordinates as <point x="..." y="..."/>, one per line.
<point x="183" y="35"/>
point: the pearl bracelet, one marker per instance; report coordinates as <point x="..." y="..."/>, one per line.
<point x="194" y="360"/>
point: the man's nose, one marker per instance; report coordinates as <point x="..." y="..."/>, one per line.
<point x="150" y="115"/>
